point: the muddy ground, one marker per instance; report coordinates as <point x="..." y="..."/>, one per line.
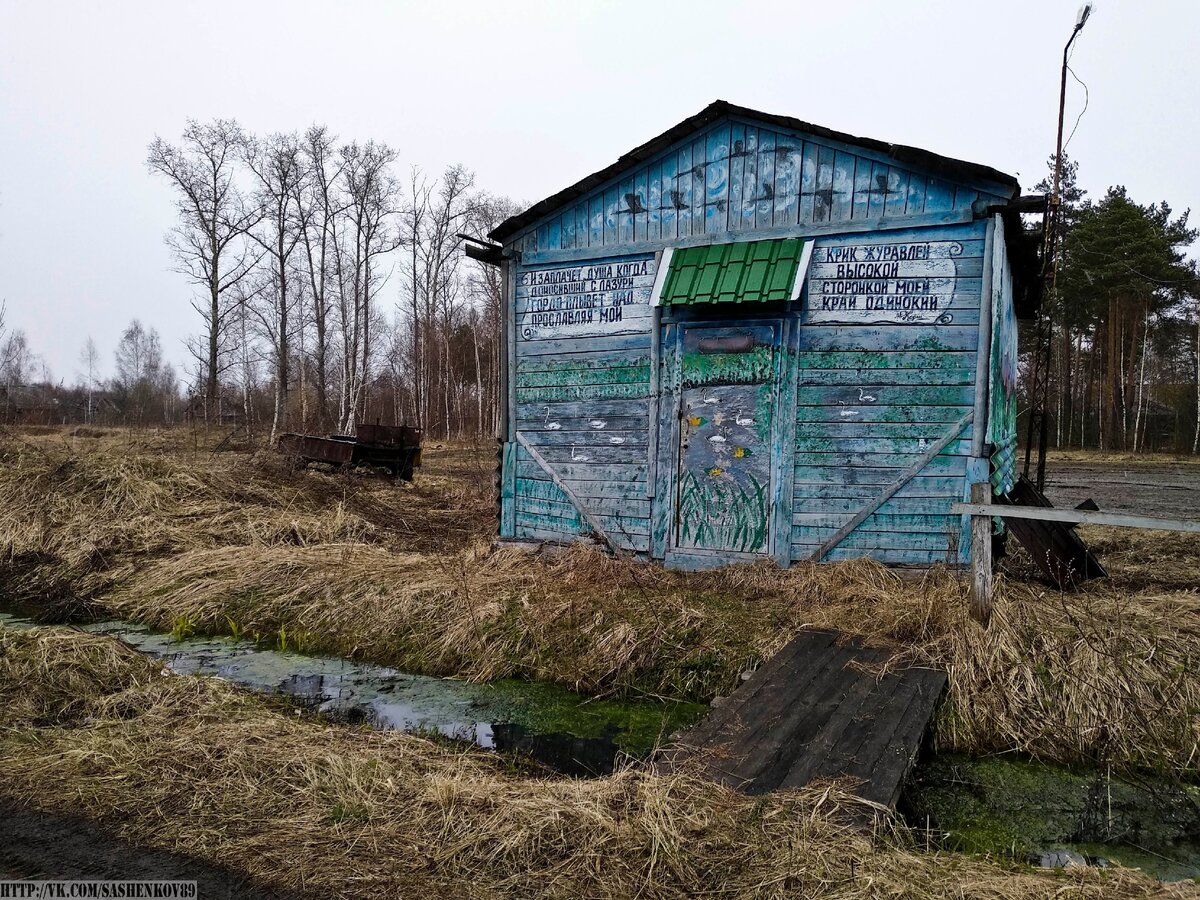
<point x="37" y="846"/>
<point x="453" y="509"/>
<point x="1168" y="490"/>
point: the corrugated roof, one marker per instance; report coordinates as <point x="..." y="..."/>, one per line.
<point x="941" y="166"/>
<point x="742" y="272"/>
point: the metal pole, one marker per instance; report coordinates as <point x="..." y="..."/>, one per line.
<point x="1055" y="200"/>
<point x="1050" y="265"/>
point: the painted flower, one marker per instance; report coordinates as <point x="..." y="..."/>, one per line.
<point x="695" y="421"/>
<point x="740" y="452"/>
<point x="715" y="471"/>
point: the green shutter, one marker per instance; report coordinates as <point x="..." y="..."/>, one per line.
<point x="745" y="272"/>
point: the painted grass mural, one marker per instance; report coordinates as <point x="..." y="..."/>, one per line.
<point x="755" y="366"/>
<point x="720" y="512"/>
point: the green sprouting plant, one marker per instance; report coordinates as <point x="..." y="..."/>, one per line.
<point x="304" y="641"/>
<point x="235" y="630"/>
<point x="183" y="628"/>
<point x="347" y="812"/>
<point x="297" y="640"/>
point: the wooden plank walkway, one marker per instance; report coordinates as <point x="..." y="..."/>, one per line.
<point x="816" y="710"/>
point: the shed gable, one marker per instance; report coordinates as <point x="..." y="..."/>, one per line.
<point x="738" y="175"/>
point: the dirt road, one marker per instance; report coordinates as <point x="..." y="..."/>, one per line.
<point x="1166" y="490"/>
<point x="35" y="845"/>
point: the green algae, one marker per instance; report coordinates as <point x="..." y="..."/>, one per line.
<point x="508" y="713"/>
<point x="636" y="727"/>
<point x="1023" y="808"/>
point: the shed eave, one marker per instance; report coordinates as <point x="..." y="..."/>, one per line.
<point x="942" y="166"/>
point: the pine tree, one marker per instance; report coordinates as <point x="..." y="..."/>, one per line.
<point x="1123" y="268"/>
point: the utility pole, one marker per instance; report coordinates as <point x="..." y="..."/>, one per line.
<point x="1085" y="11"/>
<point x="1050" y="259"/>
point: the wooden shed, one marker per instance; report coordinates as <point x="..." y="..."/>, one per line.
<point x="753" y="337"/>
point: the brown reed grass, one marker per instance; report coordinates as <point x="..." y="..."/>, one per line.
<point x="324" y="811"/>
<point x="1107" y="674"/>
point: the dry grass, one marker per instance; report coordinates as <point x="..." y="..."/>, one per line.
<point x="1136" y="559"/>
<point x="193" y="765"/>
<point x="91" y="508"/>
<point x="1118" y="456"/>
<point x="365" y="568"/>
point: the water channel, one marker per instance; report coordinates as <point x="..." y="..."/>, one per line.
<point x="563" y="730"/>
<point x="1007" y="806"/>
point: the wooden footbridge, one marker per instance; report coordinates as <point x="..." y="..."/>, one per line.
<point x="818" y="709"/>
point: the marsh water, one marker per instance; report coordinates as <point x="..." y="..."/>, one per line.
<point x="556" y="727"/>
<point x="1046" y="815"/>
<point x="1057" y="816"/>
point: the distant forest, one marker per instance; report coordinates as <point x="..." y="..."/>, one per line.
<point x="1119" y="327"/>
<point x="330" y="288"/>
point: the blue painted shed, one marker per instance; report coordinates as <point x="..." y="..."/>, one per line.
<point x="752" y="337"/>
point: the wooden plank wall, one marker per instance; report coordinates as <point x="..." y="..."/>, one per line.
<point x="583" y="374"/>
<point x="583" y="346"/>
<point x="878" y="386"/>
<point x="739" y="177"/>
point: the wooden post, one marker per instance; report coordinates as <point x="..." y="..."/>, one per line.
<point x="981" y="557"/>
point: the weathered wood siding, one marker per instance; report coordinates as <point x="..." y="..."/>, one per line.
<point x="886" y="363"/>
<point x="880" y="359"/>
<point x="740" y="177"/>
<point x="583" y="397"/>
<point x="1002" y="369"/>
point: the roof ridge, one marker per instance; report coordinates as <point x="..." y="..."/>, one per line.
<point x="902" y="153"/>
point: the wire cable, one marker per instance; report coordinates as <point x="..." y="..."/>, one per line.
<point x="1086" y="99"/>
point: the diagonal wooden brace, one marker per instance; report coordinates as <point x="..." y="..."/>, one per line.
<point x="593" y="523"/>
<point x="894" y="488"/>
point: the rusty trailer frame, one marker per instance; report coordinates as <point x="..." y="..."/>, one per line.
<point x="396" y="448"/>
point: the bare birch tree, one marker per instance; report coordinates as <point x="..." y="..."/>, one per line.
<point x="90" y="358"/>
<point x="246" y="354"/>
<point x="321" y="206"/>
<point x="278" y="167"/>
<point x="415" y="213"/>
<point x="213" y="220"/>
<point x="368" y="234"/>
<point x="436" y="295"/>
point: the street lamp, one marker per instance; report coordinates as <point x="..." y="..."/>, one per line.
<point x="1050" y="255"/>
<point x="1055" y="200"/>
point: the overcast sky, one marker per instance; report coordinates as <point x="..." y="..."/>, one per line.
<point x="532" y="97"/>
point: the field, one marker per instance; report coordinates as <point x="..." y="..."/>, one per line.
<point x="1150" y="486"/>
<point x="159" y="528"/>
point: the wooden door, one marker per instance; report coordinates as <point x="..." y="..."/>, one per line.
<point x="728" y="384"/>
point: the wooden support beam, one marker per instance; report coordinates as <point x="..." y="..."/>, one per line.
<point x="894" y="488"/>
<point x="1077" y="517"/>
<point x="592" y="521"/>
<point x="981" y="555"/>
